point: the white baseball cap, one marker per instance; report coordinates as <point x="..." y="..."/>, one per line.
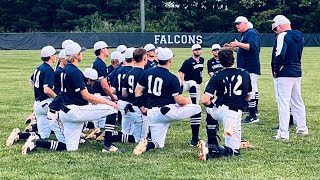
<point x="149" y="47"/>
<point x="165" y="54"/>
<point x="195" y="46"/>
<point x="90" y="74"/>
<point x="99" y="45"/>
<point x="48" y="51"/>
<point x="73" y="49"/>
<point x="241" y="19"/>
<point x="121" y="58"/>
<point x="129" y="53"/>
<point x="62" y="54"/>
<point x="157" y="50"/>
<point x="250" y="25"/>
<point x="115" y="55"/>
<point x="121" y="48"/>
<point x="66" y="42"/>
<point x="215" y="46"/>
<point x="280" y="20"/>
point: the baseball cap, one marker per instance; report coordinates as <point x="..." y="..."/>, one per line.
<point x="122" y="58"/>
<point x="215" y="46"/>
<point x="115" y="55"/>
<point x="121" y="48"/>
<point x="48" y="51"/>
<point x="90" y="74"/>
<point x="66" y="42"/>
<point x="250" y="25"/>
<point x="129" y="53"/>
<point x="149" y="47"/>
<point x="73" y="49"/>
<point x="99" y="45"/>
<point x="165" y="54"/>
<point x="196" y="46"/>
<point x="241" y="19"/>
<point x="157" y="50"/>
<point x="62" y="54"/>
<point x="280" y="20"/>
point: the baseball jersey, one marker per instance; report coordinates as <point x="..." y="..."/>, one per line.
<point x="57" y="80"/>
<point x="118" y="81"/>
<point x="160" y="87"/>
<point x="43" y="76"/>
<point x="149" y="65"/>
<point x="109" y="70"/>
<point x="112" y="75"/>
<point x="250" y="60"/>
<point x="213" y="65"/>
<point x="154" y="63"/>
<point x="101" y="68"/>
<point x="72" y="83"/>
<point x="131" y="81"/>
<point x="232" y="86"/>
<point x="286" y="54"/>
<point x="192" y="69"/>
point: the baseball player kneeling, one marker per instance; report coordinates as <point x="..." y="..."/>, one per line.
<point x="159" y="96"/>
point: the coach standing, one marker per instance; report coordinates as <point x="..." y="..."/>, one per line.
<point x="248" y="52"/>
<point x="286" y="69"/>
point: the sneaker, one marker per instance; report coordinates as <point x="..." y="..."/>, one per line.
<point x="112" y="148"/>
<point x="30" y="144"/>
<point x="304" y="133"/>
<point x="250" y="120"/>
<point x="14" y="137"/>
<point x="280" y="138"/>
<point x="202" y="150"/>
<point x="141" y="147"/>
<point x="194" y="143"/>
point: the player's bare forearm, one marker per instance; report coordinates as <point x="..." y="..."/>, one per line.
<point x="180" y="77"/>
<point x="206" y="100"/>
<point x="49" y="92"/>
<point x="182" y="100"/>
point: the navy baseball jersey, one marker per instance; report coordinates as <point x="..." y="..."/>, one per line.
<point x="118" y="81"/>
<point x="213" y="65"/>
<point x="250" y="60"/>
<point x="130" y="83"/>
<point x="43" y="76"/>
<point x="149" y="65"/>
<point x="109" y="70"/>
<point x="154" y="63"/>
<point x="73" y="82"/>
<point x="101" y="68"/>
<point x="57" y="102"/>
<point x="232" y="86"/>
<point x="192" y="69"/>
<point x="160" y="87"/>
<point x="112" y="75"/>
<point x="57" y="80"/>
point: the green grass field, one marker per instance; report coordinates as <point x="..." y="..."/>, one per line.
<point x="271" y="159"/>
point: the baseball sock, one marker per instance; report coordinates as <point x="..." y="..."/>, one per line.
<point x="195" y="126"/>
<point x="110" y="124"/>
<point x="193" y="94"/>
<point x="291" y="118"/>
<point x="212" y="129"/>
<point x="252" y="108"/>
<point x="119" y="118"/>
<point x="257" y="101"/>
<point x="124" y="138"/>
<point x="52" y="145"/>
<point x="151" y="145"/>
<point x="26" y="135"/>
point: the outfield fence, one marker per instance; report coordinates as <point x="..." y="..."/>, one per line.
<point x="36" y="40"/>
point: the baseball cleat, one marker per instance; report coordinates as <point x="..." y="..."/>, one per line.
<point x="112" y="148"/>
<point x="245" y="144"/>
<point x="193" y="143"/>
<point x="14" y="137"/>
<point x="82" y="135"/>
<point x="92" y="135"/>
<point x="30" y="144"/>
<point x="251" y="120"/>
<point x="202" y="150"/>
<point x="101" y="137"/>
<point x="280" y="138"/>
<point x="30" y="118"/>
<point x="304" y="133"/>
<point x="81" y="141"/>
<point x="141" y="147"/>
<point x="30" y="128"/>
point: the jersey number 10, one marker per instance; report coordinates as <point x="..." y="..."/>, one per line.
<point x="157" y="85"/>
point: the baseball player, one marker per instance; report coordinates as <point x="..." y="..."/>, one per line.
<point x="118" y="84"/>
<point x="286" y="69"/>
<point x="76" y="109"/>
<point x="233" y="88"/>
<point x="190" y="77"/>
<point x="164" y="102"/>
<point x="248" y="52"/>
<point x="150" y="48"/>
<point x="115" y="56"/>
<point x="33" y="142"/>
<point x="63" y="45"/>
<point x="213" y="64"/>
<point x="43" y="81"/>
<point x="101" y="89"/>
<point x="122" y="48"/>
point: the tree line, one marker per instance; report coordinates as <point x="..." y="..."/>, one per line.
<point x="161" y="16"/>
